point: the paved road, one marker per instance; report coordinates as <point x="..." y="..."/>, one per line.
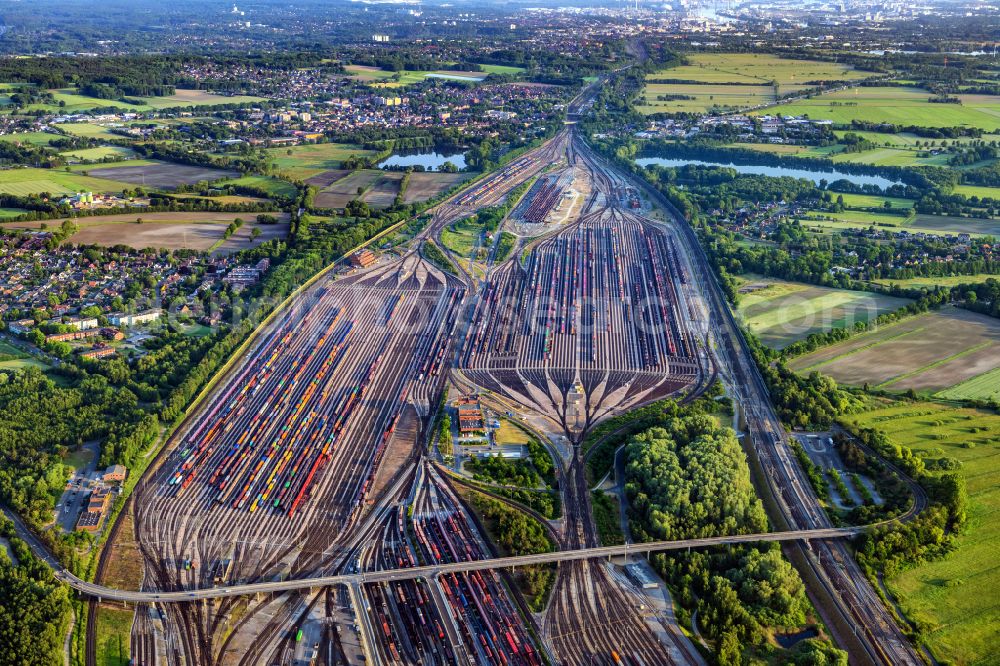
<point x="107" y="593"/>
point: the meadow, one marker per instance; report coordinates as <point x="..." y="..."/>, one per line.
<point x="954" y="598"/>
<point x="272" y="186"/>
<point x="461" y="236"/>
<point x="939" y="281"/>
<point x="8" y="213"/>
<point x="25" y="182"/>
<point x="31" y="138"/>
<point x="900" y="157"/>
<point x="897" y="105"/>
<point x="69" y="100"/>
<point x="928" y="353"/>
<point x="978" y="191"/>
<point x="940" y="225"/>
<point x="114" y="635"/>
<point x="738" y="80"/>
<point x="311" y="159"/>
<point x="852" y="200"/>
<point x="781" y="312"/>
<point x="99" y="153"/>
<point x="89" y="130"/>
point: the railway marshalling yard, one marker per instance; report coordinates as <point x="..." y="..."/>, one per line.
<point x="310" y="458"/>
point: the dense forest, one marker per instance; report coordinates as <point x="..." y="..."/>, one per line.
<point x="689" y="478"/>
<point x="34" y="608"/>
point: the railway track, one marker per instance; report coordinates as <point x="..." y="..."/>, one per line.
<point x="274" y="476"/>
<point x="839" y="589"/>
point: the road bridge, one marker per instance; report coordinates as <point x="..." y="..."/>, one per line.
<point x="429" y="571"/>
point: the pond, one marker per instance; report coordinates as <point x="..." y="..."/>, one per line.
<point x="788" y="640"/>
<point x="815" y="175"/>
<point x="429" y="159"/>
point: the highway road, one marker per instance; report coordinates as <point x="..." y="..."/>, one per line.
<point x="105" y="593"/>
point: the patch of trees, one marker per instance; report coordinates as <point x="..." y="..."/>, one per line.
<point x="931" y="534"/>
<point x="436" y="256"/>
<point x="504" y="471"/>
<point x="41" y="421"/>
<point x="545" y="502"/>
<point x="690" y="479"/>
<point x="34" y="608"/>
<point x="811" y="401"/>
<point x="895" y="494"/>
<point x="607" y="518"/>
<point x="519" y="534"/>
<point x="505" y="246"/>
<point x="677" y="474"/>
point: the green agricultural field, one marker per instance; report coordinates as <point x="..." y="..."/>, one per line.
<point x="9" y="213"/>
<point x="954" y="598"/>
<point x="873" y="201"/>
<point x="182" y="98"/>
<point x="273" y="186"/>
<point x="984" y="387"/>
<point x="25" y="182"/>
<point x="978" y="191"/>
<point x="386" y="79"/>
<point x="310" y="159"/>
<point x="955" y="225"/>
<point x="781" y="312"/>
<point x="761" y="68"/>
<point x="947" y="281"/>
<point x="99" y="153"/>
<point x="791" y="149"/>
<point x="89" y="130"/>
<point x="737" y="80"/>
<point x="68" y="100"/>
<point x="365" y="73"/>
<point x="900" y="106"/>
<point x="82" y="168"/>
<point x="32" y="138"/>
<point x="901" y="157"/>
<point x="931" y="224"/>
<point x="907" y="140"/>
<point x="74" y="102"/>
<point x="704" y="97"/>
<point x="501" y="69"/>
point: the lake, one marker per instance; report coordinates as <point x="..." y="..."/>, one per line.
<point x="429" y="159"/>
<point x="815" y="176"/>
